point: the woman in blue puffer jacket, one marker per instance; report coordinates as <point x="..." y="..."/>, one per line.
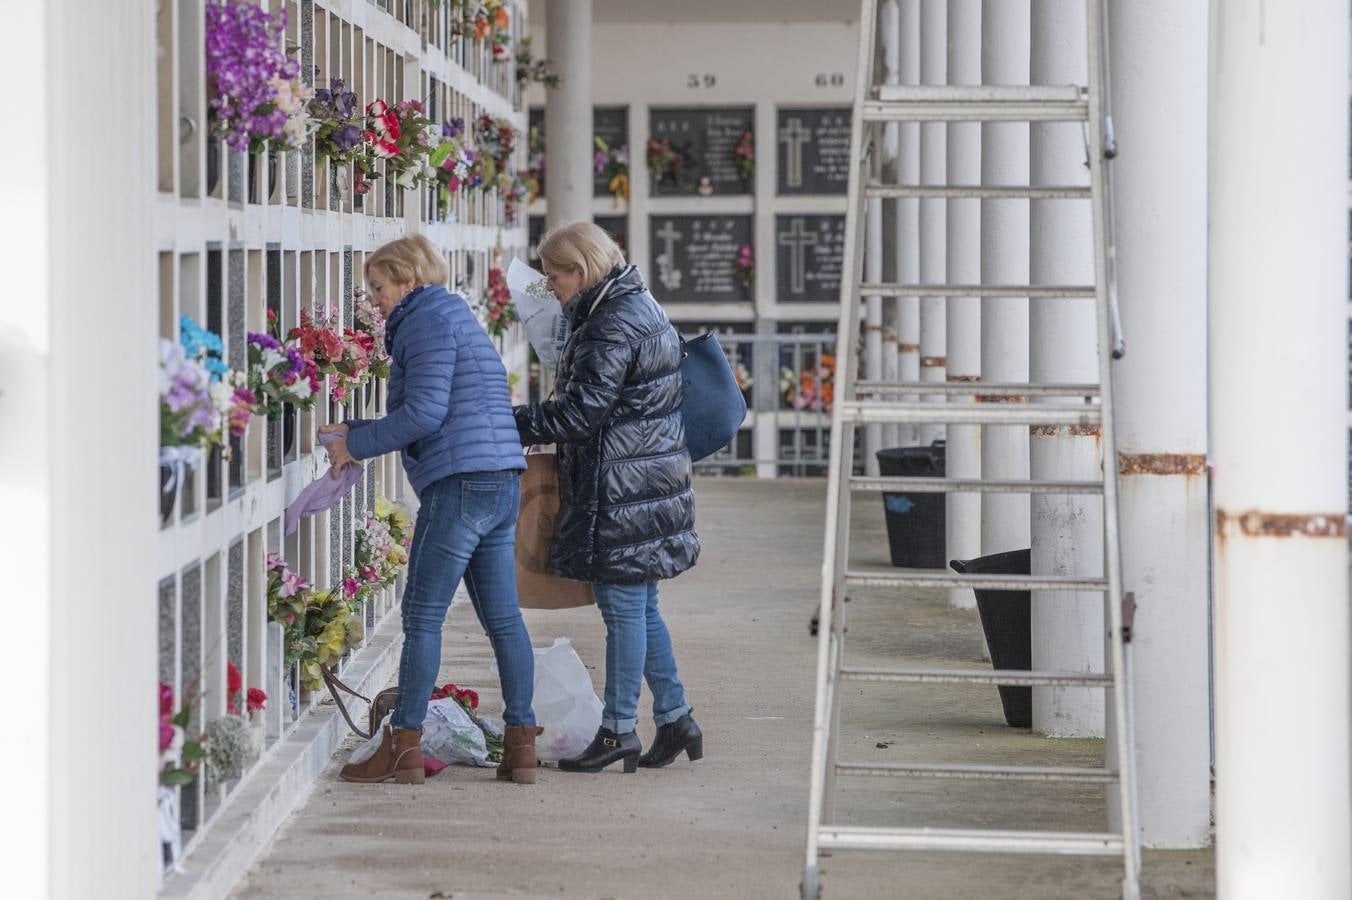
<point x="450" y="415"/>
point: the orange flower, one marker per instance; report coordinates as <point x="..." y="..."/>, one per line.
<point x="500" y="18"/>
<point x="481" y="27"/>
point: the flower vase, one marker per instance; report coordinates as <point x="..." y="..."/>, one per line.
<point x="168" y="497"/>
<point x="213" y="163"/>
<point x="288" y="428"/>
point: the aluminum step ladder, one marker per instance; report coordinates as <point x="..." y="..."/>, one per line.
<point x="870" y="402"/>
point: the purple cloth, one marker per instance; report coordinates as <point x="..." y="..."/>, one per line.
<point x="324" y="491"/>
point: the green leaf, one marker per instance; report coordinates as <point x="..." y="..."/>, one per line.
<point x="441" y="154"/>
<point x="182" y="718"/>
<point x="193" y="752"/>
<point x="177" y="777"/>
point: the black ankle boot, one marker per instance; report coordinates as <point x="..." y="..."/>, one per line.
<point x="606" y="748"/>
<point x="671" y="739"/>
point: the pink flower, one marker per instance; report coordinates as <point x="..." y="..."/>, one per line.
<point x="370" y="574"/>
<point x="350" y="587"/>
<point x="166" y="734"/>
<point x="166" y="699"/>
<point x="291" y="583"/>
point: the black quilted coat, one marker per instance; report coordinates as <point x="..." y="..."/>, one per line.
<point x="627" y="512"/>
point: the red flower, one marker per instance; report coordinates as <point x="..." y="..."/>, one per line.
<point x="166" y="700"/>
<point x="468" y="697"/>
<point x="377" y="108"/>
<point x="233" y="682"/>
<point x="386" y="149"/>
<point x="256" y="700"/>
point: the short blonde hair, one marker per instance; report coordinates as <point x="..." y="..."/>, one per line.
<point x="582" y="247"/>
<point x="413" y="258"/>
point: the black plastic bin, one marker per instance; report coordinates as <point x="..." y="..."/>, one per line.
<point x="915" y="522"/>
<point x="1006" y="618"/>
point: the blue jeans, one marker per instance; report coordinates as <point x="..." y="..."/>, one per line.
<point x="466" y="529"/>
<point x="637" y="647"/>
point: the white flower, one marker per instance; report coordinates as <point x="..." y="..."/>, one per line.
<point x="272" y="359"/>
<point x="302" y="389"/>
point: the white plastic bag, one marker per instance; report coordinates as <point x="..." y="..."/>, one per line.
<point x="565" y="703"/>
<point x="449" y="735"/>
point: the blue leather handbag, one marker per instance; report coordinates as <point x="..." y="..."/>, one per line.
<point x="712" y="406"/>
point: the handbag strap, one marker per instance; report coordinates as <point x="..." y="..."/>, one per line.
<point x="334" y="684"/>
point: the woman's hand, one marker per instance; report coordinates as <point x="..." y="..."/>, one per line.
<point x="337" y="450"/>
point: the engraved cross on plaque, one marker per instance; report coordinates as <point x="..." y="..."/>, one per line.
<point x="669" y="236"/>
<point x="794" y="136"/>
<point x="797" y="240"/>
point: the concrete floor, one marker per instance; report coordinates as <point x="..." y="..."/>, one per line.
<point x="731" y="826"/>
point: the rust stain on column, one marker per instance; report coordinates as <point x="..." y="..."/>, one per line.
<point x="1256" y="523"/>
<point x="908" y="348"/>
<point x="1092" y="431"/>
<point x="965" y="378"/>
<point x="933" y="362"/>
<point x="999" y="398"/>
<point x="1160" y="463"/>
<point x="868" y="328"/>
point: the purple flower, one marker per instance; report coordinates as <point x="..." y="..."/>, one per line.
<point x="243" y="56"/>
<point x="599" y="161"/>
<point x="454" y="128"/>
<point x="264" y="340"/>
<point x="347" y="137"/>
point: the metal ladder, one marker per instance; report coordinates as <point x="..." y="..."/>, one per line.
<point x="870" y="402"/>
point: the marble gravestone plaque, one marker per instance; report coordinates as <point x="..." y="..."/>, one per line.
<point x="694" y="258"/>
<point x="809" y="253"/>
<point x="706" y="137"/>
<point x="618" y="228"/>
<point x="812" y="151"/>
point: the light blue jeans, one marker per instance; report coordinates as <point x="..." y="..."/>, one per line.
<point x="638" y="646"/>
<point x="466" y="529"/>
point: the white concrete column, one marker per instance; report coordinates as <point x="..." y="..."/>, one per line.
<point x="889" y="26"/>
<point x="568" y="112"/>
<point x="962" y="518"/>
<point x="1278" y="268"/>
<point x="78" y="358"/>
<point x="1005" y="34"/>
<point x="873" y="320"/>
<point x="933" y="213"/>
<point x="1160" y="175"/>
<point x="1067" y="529"/>
<point x="908" y="218"/>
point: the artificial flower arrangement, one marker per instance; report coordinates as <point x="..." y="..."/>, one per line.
<point x="492" y="23"/>
<point x="813" y="389"/>
<point x="514" y="191"/>
<point x="256" y="99"/>
<point x="742" y="374"/>
<point x="496" y="139"/>
<point x="318" y="626"/>
<point x="613" y="163"/>
<point x="338" y="124"/>
<point x="498" y="310"/>
<point x="370" y="322"/>
<point x="254" y="698"/>
<point x="452" y="161"/>
<point x="744" y="156"/>
<point x="201" y="398"/>
<point x="380" y="550"/>
<point x="664" y="163"/>
<point x="745" y="265"/>
<point x="469" y="702"/>
<point x="179" y="755"/>
<point x="344" y="353"/>
<point x="400" y="135"/>
<point x="280" y="373"/>
<point x="529" y="69"/>
<point x="535" y="164"/>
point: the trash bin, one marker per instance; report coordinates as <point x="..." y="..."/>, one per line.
<point x="915" y="522"/>
<point x="1006" y="618"/>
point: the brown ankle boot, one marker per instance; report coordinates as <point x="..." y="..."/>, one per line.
<point x="518" y="755"/>
<point x="399" y="756"/>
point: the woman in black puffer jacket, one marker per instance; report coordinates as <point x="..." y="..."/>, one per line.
<point x="627" y="513"/>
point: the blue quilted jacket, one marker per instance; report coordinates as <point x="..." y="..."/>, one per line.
<point x="449" y="409"/>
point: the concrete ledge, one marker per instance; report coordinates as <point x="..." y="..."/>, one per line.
<point x="275" y="789"/>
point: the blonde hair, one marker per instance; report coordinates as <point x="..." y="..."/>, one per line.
<point x="413" y="258"/>
<point x="582" y="247"/>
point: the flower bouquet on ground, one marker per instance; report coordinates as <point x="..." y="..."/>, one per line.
<point x="613" y="163"/>
<point x="469" y="702"/>
<point x="256" y="99"/>
<point x="401" y="136"/>
<point x="338" y="123"/>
